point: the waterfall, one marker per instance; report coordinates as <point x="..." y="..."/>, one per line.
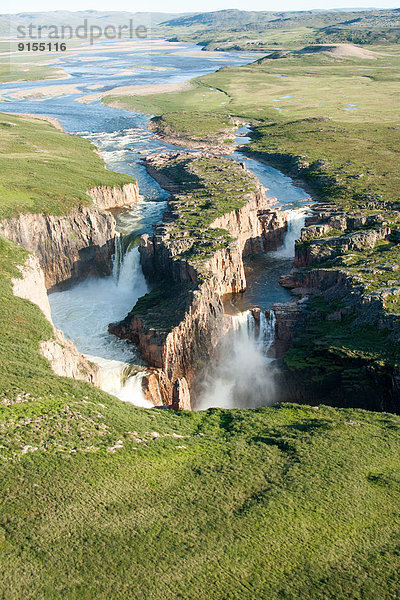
<point x="119" y="379"/>
<point x="243" y="376"/>
<point x="295" y="223"/>
<point x="84" y="312"/>
<point x="266" y="334"/>
<point x="118" y="255"/>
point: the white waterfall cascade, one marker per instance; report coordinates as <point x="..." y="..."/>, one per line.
<point x="243" y="377"/>
<point x="295" y="223"/>
<point x="118" y="255"/>
<point x="84" y="312"/>
<point x="117" y="380"/>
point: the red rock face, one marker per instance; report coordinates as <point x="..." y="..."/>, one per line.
<point x="274" y="226"/>
<point x="74" y="246"/>
<point x="181" y="354"/>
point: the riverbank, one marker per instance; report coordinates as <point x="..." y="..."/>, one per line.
<point x="183" y="130"/>
<point x="132" y="90"/>
<point x="55" y="122"/>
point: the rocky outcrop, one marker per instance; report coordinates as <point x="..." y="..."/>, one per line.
<point x="74" y="246"/>
<point x="69" y="248"/>
<point x="222" y="142"/>
<point x="273" y="228"/>
<point x="336" y="333"/>
<point x="332" y="247"/>
<point x="181" y="351"/>
<point x="106" y="197"/>
<point x="255" y="225"/>
<point x="64" y="358"/>
<point x="288" y="316"/>
<point x="66" y="361"/>
<point x="328" y="217"/>
<point x="181" y="395"/>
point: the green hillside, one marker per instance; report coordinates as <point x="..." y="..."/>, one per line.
<point x="46" y="170"/>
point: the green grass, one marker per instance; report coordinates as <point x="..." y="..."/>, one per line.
<point x="364" y="342"/>
<point x="282" y="502"/>
<point x="45" y="170"/>
<point x="354" y="166"/>
<point x="377" y="267"/>
<point x="172" y="102"/>
<point x="214" y="128"/>
<point x="287" y="502"/>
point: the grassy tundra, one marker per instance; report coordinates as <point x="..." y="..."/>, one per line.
<point x="103" y="500"/>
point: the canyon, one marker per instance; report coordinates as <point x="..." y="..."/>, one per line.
<point x="72" y="247"/>
<point x="194" y="261"/>
<point x="178" y="326"/>
<point x="64" y="250"/>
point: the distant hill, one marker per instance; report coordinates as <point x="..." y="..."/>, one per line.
<point x="239" y="18"/>
<point x="10" y="22"/>
<point x="234" y="18"/>
<point x="225" y="29"/>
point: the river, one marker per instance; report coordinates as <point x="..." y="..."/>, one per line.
<point x="84" y="311"/>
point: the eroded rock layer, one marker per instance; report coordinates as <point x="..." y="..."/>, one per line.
<point x="74" y="246"/>
<point x="343" y="339"/>
<point x="194" y="258"/>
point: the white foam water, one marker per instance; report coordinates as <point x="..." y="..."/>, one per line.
<point x="295" y="223"/>
<point x="243" y="375"/>
<point x="84" y="312"/>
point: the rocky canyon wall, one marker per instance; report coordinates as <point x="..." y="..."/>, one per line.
<point x="64" y="358"/>
<point x="106" y="197"/>
<point x="64" y="250"/>
<point x="74" y="246"/>
<point x="181" y="352"/>
<point x="345" y="361"/>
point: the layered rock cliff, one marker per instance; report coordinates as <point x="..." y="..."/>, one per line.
<point x="343" y="346"/>
<point x="194" y="258"/>
<point x="69" y="248"/>
<point x="74" y="246"/>
<point x="63" y="356"/>
<point x="66" y="249"/>
<point x="106" y="197"/>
